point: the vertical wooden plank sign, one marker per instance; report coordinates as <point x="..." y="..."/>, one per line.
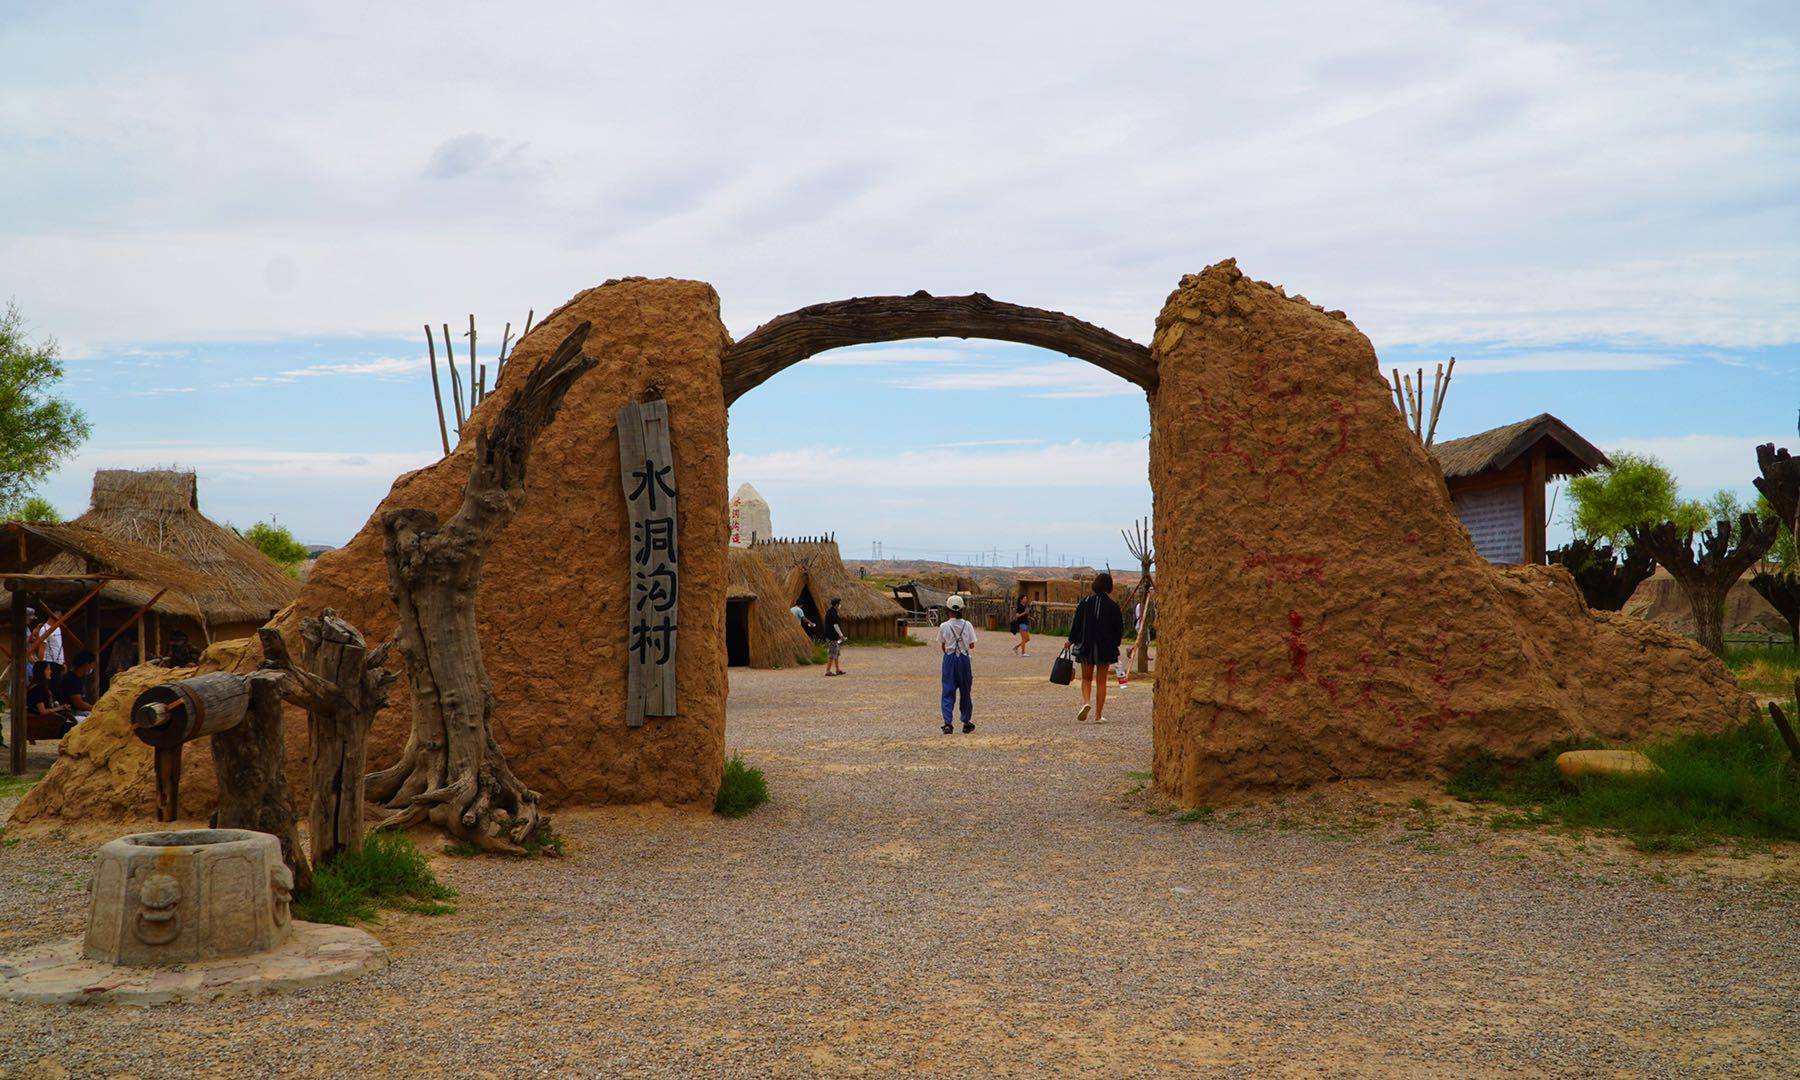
<point x="648" y="470"/>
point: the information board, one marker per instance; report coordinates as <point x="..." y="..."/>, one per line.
<point x="1495" y="518"/>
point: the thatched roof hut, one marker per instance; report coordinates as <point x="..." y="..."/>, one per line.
<point x="146" y="579"/>
<point x="811" y="573"/>
<point x="760" y="632"/>
<point x="159" y="509"/>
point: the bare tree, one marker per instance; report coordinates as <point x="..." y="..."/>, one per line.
<point x="1706" y="579"/>
<point x="1605" y="580"/>
<point x="451" y="772"/>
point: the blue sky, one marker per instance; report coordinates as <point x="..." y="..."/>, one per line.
<point x="237" y="224"/>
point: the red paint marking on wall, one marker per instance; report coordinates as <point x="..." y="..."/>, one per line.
<point x="1296" y="643"/>
<point x="1230" y="678"/>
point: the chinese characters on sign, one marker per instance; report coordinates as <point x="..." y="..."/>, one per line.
<point x="1495" y="519"/>
<point x="648" y="471"/>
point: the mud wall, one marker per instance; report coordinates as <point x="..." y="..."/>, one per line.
<point x="1324" y="614"/>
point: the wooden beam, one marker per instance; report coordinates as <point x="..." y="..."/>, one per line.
<point x="437" y="393"/>
<point x="788" y="339"/>
<point x="16" y="692"/>
<point x="1535" y="525"/>
<point x="136" y="616"/>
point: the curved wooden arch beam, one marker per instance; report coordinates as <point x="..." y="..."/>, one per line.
<point x="788" y="339"/>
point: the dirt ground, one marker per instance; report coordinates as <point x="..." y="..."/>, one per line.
<point x="1002" y="903"/>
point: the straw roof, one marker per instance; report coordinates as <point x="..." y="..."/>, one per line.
<point x="1499" y="447"/>
<point x="44" y="549"/>
<point x="775" y="638"/>
<point x="814" y="563"/>
<point x="160" y="509"/>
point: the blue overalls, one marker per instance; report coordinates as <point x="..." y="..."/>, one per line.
<point x="958" y="674"/>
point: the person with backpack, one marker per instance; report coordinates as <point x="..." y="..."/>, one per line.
<point x="956" y="636"/>
<point x="1095" y="635"/>
<point x="834" y="639"/>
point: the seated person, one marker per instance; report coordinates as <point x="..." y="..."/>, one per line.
<point x="71" y="689"/>
<point x="42" y="705"/>
<point x="180" y="654"/>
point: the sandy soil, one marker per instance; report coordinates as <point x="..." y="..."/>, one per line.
<point x="1001" y="903"/>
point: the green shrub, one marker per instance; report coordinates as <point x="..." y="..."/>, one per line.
<point x="390" y="872"/>
<point x="741" y="790"/>
<point x="1738" y="784"/>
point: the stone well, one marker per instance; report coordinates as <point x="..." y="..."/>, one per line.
<point x="188" y="916"/>
<point x="181" y="897"/>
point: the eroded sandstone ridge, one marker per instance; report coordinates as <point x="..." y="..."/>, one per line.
<point x="1325" y="614"/>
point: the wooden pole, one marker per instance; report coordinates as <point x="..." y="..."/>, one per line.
<point x="16" y="691"/>
<point x="474" y="389"/>
<point x="455" y="381"/>
<point x="437" y="393"/>
<point x="1440" y="390"/>
<point x="1399" y="398"/>
<point x="137" y="619"/>
<point x="500" y="361"/>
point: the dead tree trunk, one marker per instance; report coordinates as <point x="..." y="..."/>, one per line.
<point x="250" y="763"/>
<point x="451" y="772"/>
<point x="1605" y="581"/>
<point x="1707" y="579"/>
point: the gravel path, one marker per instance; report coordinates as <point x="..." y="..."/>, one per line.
<point x="996" y="903"/>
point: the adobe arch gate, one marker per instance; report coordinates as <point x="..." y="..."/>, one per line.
<point x="1323" y="613"/>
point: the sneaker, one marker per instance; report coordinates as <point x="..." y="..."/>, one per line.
<point x="1082" y="713"/>
<point x="1101" y="720"/>
<point x="967" y="727"/>
<point x="948" y="729"/>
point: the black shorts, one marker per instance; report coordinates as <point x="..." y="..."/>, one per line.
<point x="1091" y="653"/>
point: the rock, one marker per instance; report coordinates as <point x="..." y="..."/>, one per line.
<point x="1325" y="615"/>
<point x="1575" y="764"/>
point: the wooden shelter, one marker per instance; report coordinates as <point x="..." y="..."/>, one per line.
<point x="1497" y="478"/>
<point x="811" y="572"/>
<point x="920" y="600"/>
<point x="760" y="631"/>
<point x="93" y="588"/>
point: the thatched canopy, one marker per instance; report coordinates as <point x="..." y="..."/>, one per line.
<point x="159" y="509"/>
<point x="142" y="574"/>
<point x="1568" y="453"/>
<point x="773" y="637"/>
<point x="814" y="566"/>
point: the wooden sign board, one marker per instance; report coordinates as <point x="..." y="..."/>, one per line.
<point x="1495" y="518"/>
<point x="647" y="468"/>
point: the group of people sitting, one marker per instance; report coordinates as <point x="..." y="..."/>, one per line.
<point x="56" y="699"/>
<point x="57" y="695"/>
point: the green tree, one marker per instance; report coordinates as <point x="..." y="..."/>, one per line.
<point x="277" y="543"/>
<point x="38" y="430"/>
<point x="1636" y="490"/>
<point x="1783" y="552"/>
<point x="38" y="508"/>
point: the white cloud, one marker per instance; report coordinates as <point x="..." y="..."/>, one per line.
<point x="880" y="355"/>
<point x="1562" y="360"/>
<point x="252" y="463"/>
<point x="1062" y="465"/>
<point x="1450" y="172"/>
<point x="1702" y="463"/>
<point x="1044" y="379"/>
<point x="386" y="367"/>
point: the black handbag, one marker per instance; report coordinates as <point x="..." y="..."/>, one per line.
<point x="1062" y="669"/>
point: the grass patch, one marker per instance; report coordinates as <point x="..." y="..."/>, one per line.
<point x="741" y="790"/>
<point x="1737" y="785"/>
<point x="1198" y="813"/>
<point x="1763" y="668"/>
<point x="391" y="872"/>
<point x="11" y="785"/>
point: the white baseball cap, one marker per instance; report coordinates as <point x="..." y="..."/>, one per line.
<point x="954" y="603"/>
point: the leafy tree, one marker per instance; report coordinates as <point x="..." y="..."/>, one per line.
<point x="1783" y="552"/>
<point x="1636" y="490"/>
<point x="38" y="431"/>
<point x="38" y="508"/>
<point x="277" y="543"/>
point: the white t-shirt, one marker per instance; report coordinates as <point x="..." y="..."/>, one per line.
<point x="956" y="635"/>
<point x="53" y="647"/>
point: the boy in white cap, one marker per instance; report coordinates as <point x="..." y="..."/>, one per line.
<point x="956" y="636"/>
